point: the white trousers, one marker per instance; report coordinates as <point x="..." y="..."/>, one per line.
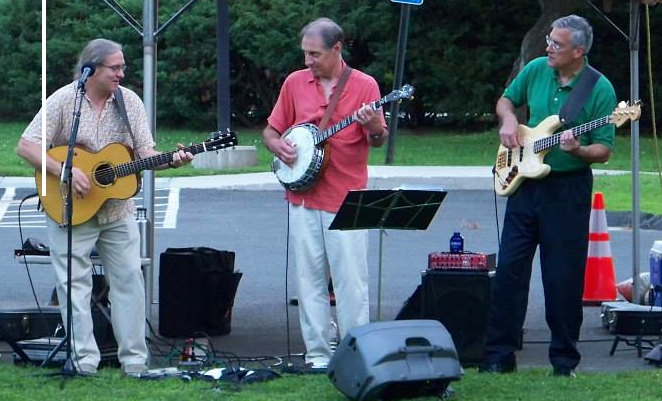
<point x="118" y="244"/>
<point x="316" y="252"/>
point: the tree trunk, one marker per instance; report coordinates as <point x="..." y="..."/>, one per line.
<point x="533" y="44"/>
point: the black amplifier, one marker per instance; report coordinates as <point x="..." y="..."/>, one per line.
<point x="625" y="318"/>
<point x="28" y="324"/>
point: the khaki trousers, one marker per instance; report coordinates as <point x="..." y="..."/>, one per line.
<point x="316" y="252"/>
<point x="118" y="244"/>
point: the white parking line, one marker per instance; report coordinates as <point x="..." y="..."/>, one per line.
<point x="168" y="206"/>
<point x="170" y="218"/>
<point x="6" y="200"/>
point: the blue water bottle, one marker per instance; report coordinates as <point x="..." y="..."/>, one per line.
<point x="457" y="243"/>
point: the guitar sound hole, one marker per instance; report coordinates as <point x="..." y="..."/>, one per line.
<point x="104" y="175"/>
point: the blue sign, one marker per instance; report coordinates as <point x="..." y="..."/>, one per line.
<point x="412" y="2"/>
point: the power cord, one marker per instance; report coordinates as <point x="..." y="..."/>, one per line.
<point x="27" y="266"/>
<point x="496" y="210"/>
<point x="287" y="271"/>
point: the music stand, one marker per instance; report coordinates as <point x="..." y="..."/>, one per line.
<point x="403" y="209"/>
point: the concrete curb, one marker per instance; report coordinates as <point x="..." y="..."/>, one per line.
<point x="451" y="177"/>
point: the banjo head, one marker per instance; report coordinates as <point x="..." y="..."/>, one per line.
<point x="298" y="176"/>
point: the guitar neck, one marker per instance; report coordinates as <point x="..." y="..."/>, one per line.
<point x="340" y="125"/>
<point x="138" y="165"/>
<point x="553" y="140"/>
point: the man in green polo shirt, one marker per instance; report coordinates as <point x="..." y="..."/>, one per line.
<point x="552" y="212"/>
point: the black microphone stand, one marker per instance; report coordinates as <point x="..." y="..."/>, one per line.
<point x="68" y="369"/>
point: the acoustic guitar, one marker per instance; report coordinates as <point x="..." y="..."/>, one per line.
<point x="113" y="174"/>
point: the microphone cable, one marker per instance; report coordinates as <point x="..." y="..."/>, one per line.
<point x="496" y="209"/>
<point x="25" y="260"/>
<point x="287" y="273"/>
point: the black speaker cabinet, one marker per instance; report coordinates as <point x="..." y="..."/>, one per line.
<point x="196" y="292"/>
<point x="460" y="299"/>
<point x="411" y="309"/>
<point x="28" y="324"/>
<point x="38" y="332"/>
<point x="397" y="359"/>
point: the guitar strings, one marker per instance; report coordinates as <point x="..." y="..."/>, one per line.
<point x="108" y="174"/>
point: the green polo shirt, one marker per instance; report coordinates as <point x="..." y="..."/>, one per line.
<point x="538" y="87"/>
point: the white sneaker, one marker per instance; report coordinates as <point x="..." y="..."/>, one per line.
<point x="135" y="371"/>
<point x="86" y="369"/>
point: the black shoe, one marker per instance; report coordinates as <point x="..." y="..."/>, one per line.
<point x="564" y="371"/>
<point x="495" y="367"/>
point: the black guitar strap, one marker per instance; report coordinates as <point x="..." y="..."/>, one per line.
<point x="579" y="95"/>
<point x="122" y="108"/>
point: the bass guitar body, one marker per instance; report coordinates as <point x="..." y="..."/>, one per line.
<point x="515" y="165"/>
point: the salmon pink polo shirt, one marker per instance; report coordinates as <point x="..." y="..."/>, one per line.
<point x="302" y="100"/>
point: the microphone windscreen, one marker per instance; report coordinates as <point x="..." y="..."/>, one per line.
<point x="91" y="67"/>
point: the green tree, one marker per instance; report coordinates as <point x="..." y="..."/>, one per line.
<point x="266" y="43"/>
<point x="20" y="58"/>
<point x="460" y="54"/>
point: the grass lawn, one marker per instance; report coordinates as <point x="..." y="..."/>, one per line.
<point x="412" y="148"/>
<point x="18" y="383"/>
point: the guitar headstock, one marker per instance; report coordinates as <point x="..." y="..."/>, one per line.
<point x="406" y="92"/>
<point x="625" y="112"/>
<point x="221" y="140"/>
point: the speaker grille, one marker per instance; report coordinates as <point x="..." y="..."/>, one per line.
<point x="195" y="294"/>
<point x="460" y="300"/>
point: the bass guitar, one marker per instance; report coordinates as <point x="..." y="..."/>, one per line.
<point x="113" y="174"/>
<point x="516" y="164"/>
<point x="309" y="146"/>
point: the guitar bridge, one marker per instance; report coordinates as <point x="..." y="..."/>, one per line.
<point x="502" y="159"/>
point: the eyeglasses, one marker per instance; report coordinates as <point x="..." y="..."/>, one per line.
<point x="115" y="68"/>
<point x="552" y="43"/>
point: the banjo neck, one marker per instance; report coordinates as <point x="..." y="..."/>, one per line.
<point x="310" y="156"/>
<point x="342" y="124"/>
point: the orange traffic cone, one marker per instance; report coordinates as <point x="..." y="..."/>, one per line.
<point x="599" y="281"/>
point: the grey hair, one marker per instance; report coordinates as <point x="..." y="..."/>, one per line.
<point x="96" y="51"/>
<point x="581" y="32"/>
<point x="327" y="29"/>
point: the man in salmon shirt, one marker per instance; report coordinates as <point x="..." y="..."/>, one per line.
<point x="316" y="250"/>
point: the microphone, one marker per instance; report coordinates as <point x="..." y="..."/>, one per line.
<point x="87" y="70"/>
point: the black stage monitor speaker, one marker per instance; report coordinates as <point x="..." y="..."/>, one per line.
<point x="197" y="287"/>
<point x="398" y="359"/>
<point x="460" y="299"/>
<point x="28" y="324"/>
<point x="37" y="332"/>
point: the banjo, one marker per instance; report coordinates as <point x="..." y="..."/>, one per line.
<point x="308" y="143"/>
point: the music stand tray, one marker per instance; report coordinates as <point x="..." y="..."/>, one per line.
<point x="401" y="208"/>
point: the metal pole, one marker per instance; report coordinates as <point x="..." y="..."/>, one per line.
<point x="379" y="279"/>
<point x="634" y="95"/>
<point x="222" y="66"/>
<point x="149" y="34"/>
<point x="150" y="9"/>
<point x="397" y="82"/>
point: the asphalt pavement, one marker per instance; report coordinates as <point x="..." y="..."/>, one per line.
<point x="247" y="214"/>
